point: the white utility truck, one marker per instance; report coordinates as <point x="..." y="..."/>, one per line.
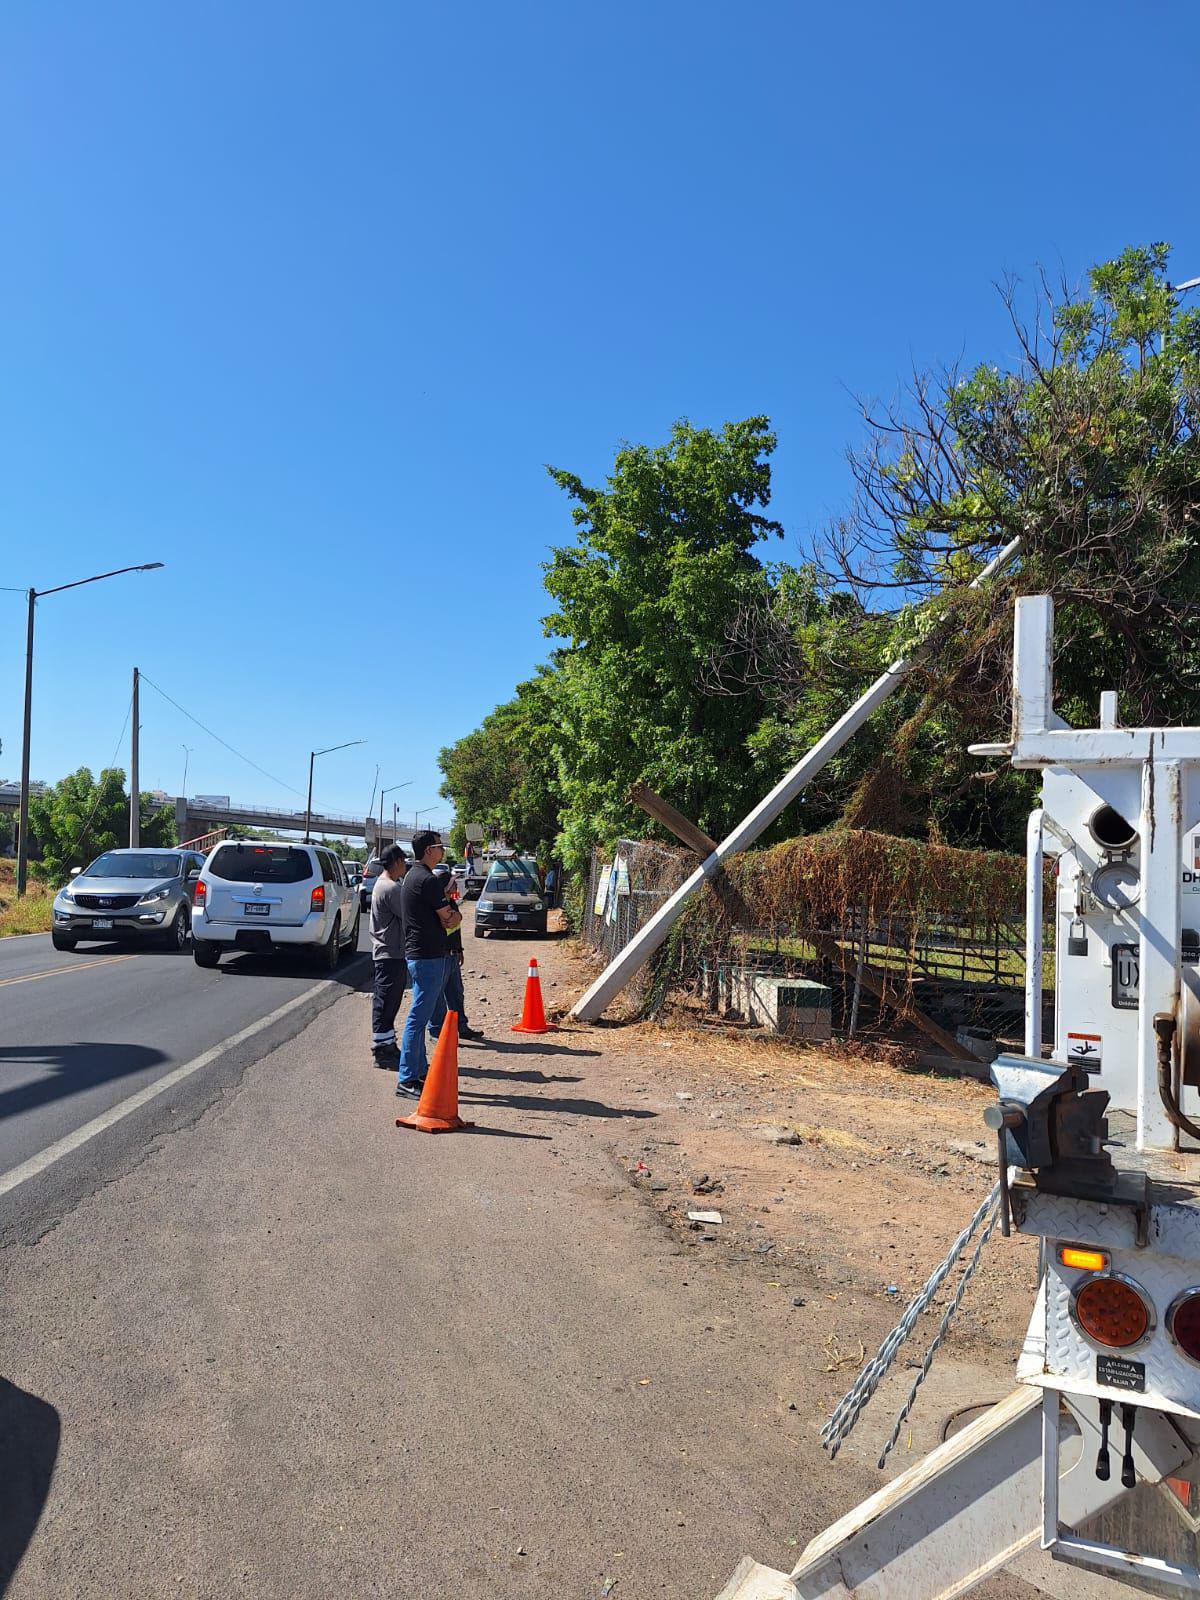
<point x="1085" y="1479"/>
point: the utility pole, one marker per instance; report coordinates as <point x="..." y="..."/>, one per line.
<point x="312" y="756"/>
<point x="135" y="797"/>
<point x="34" y="594"/>
<point x="23" y="821"/>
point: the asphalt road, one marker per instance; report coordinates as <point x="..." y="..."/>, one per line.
<point x="297" y="1352"/>
<point x="85" y="1030"/>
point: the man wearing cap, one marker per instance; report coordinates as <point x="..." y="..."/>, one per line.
<point x="387" y="955"/>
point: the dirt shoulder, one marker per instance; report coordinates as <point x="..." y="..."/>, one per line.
<point x="841" y="1174"/>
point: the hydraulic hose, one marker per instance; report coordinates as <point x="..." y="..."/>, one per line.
<point x="1164" y="1032"/>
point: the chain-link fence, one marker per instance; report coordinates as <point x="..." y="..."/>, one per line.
<point x="870" y="970"/>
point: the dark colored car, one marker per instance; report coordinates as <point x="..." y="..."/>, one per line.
<point x="512" y="899"/>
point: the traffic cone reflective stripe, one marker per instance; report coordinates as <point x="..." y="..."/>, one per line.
<point x="533" y="1013"/>
<point x="437" y="1110"/>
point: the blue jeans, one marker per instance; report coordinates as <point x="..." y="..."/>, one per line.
<point x="427" y="979"/>
<point x="453" y="998"/>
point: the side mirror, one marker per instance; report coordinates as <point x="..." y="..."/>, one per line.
<point x="75" y="871"/>
<point x="193" y="877"/>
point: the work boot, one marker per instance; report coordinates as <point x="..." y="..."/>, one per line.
<point x="474" y="1034"/>
<point x="386" y="1056"/>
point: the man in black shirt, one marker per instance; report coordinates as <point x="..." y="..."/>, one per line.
<point x="428" y="920"/>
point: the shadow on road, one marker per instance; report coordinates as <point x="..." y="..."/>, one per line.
<point x="537" y="1102"/>
<point x="504" y="1048"/>
<point x="510" y="1075"/>
<point x="506" y="1133"/>
<point x="73" y="1068"/>
<point x="29" y="1435"/>
<point x="351" y="973"/>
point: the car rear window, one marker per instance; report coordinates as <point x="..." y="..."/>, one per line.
<point x="261" y="863"/>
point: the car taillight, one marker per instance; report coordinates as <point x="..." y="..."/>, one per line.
<point x="1183" y="1323"/>
<point x="201" y="892"/>
<point x="317" y="903"/>
<point x="1112" y="1311"/>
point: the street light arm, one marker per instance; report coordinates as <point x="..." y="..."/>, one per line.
<point x="146" y="566"/>
<point x="332" y="747"/>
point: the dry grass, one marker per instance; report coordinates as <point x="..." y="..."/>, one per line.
<point x="30" y="915"/>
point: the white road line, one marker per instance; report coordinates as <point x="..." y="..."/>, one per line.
<point x="80" y="1136"/>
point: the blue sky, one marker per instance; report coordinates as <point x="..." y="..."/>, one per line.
<point x="300" y="299"/>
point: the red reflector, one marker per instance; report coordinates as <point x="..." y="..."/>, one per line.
<point x="318" y="898"/>
<point x="1183" y="1323"/>
<point x="1112" y="1311"/>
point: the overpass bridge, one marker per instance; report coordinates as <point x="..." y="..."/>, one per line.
<point x="199" y="815"/>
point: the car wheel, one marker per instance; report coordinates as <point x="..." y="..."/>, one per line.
<point x="330" y="952"/>
<point x="205" y="953"/>
<point x="479" y="932"/>
<point x="176" y="936"/>
<point x="350" y="948"/>
<point x="62" y="941"/>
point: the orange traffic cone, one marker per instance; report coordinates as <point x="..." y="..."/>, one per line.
<point x="533" y="1014"/>
<point x="437" y="1110"/>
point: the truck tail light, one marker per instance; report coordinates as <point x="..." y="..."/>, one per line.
<point x="1183" y="1323"/>
<point x="201" y="892"/>
<point x="317" y="902"/>
<point x="1083" y="1257"/>
<point x="1113" y="1311"/>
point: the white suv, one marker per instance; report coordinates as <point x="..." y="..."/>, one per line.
<point x="263" y="896"/>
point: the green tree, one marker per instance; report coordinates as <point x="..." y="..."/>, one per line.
<point x="77" y="819"/>
<point x="1087" y="447"/>
<point x="504" y="775"/>
<point x="662" y="561"/>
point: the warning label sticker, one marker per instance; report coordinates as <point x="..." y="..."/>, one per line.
<point x="1085" y="1050"/>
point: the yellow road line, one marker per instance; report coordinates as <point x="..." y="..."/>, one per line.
<point x="57" y="972"/>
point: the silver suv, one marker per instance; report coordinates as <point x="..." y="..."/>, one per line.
<point x="274" y="895"/>
<point x="144" y="895"/>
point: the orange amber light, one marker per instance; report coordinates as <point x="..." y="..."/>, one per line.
<point x="1078" y="1255"/>
<point x="1112" y="1311"/>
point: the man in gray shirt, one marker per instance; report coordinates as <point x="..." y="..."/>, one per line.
<point x="387" y="952"/>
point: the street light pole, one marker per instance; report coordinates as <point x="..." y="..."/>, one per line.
<point x="312" y="756"/>
<point x="187" y="753"/>
<point x="23" y="820"/>
<point x="34" y="596"/>
<point x="135" y="791"/>
<point x="391" y="789"/>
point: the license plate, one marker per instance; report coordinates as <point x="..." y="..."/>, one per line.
<point x="511" y="916"/>
<point x="252" y="910"/>
<point x="102" y="922"/>
<point x="1125" y="975"/>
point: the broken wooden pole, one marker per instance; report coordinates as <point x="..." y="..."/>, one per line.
<point x="699" y="842"/>
<point x="647" y="940"/>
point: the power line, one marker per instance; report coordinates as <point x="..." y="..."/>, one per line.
<point x="83" y="832"/>
<point x="204" y="728"/>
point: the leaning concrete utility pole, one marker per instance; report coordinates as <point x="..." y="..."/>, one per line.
<point x="642" y="946"/>
<point x="135" y="796"/>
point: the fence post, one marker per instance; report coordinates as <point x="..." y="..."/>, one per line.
<point x="858" y="973"/>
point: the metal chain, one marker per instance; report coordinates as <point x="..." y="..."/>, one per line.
<point x="850" y="1407"/>
<point x="939" y="1337"/>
